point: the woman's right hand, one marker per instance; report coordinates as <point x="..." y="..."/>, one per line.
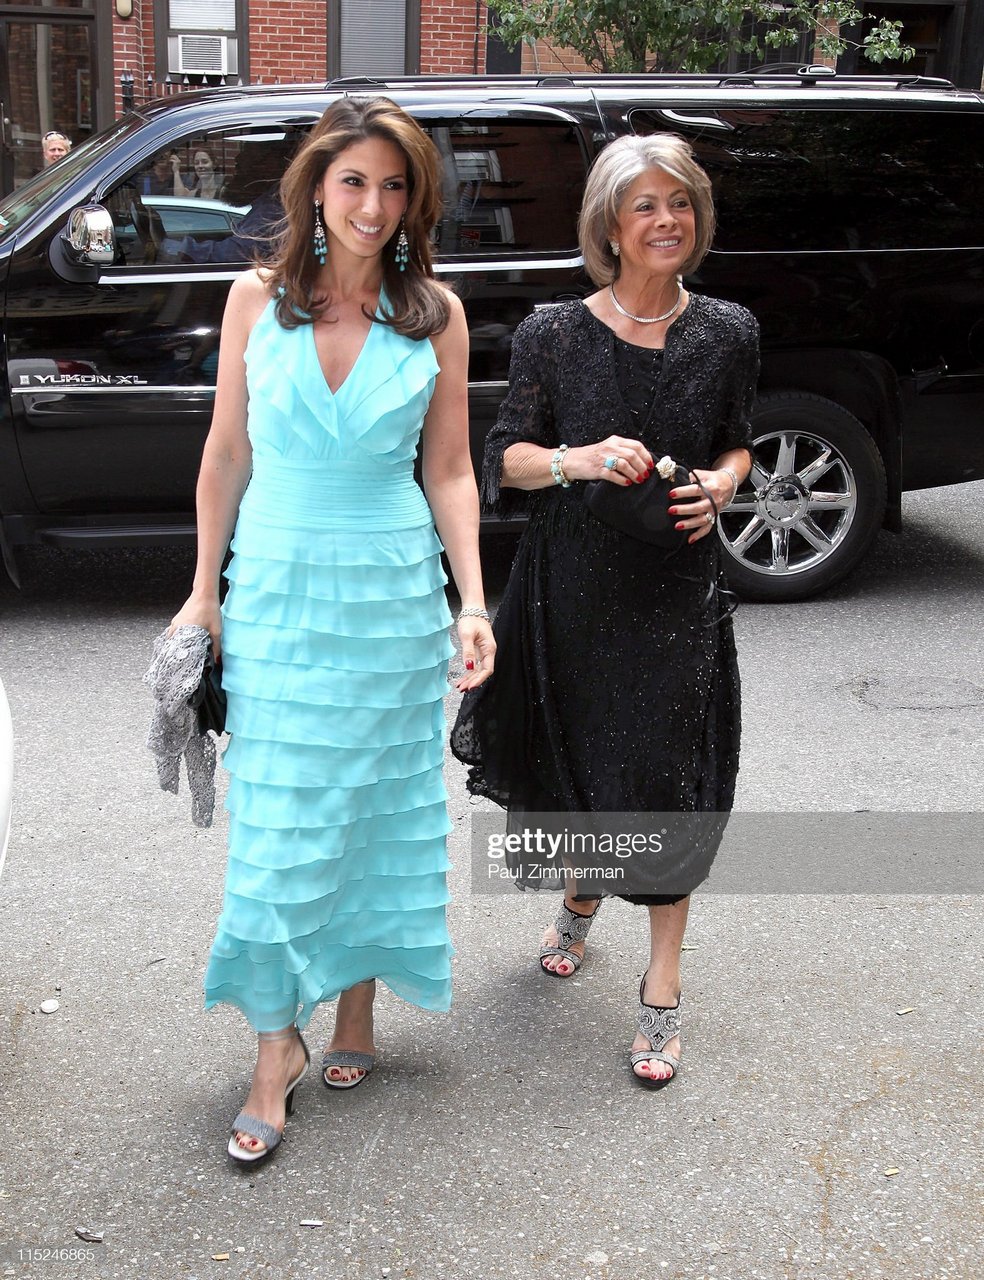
<point x="201" y="611"/>
<point x="634" y="463"/>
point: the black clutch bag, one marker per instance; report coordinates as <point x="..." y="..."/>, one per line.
<point x="640" y="510"/>
<point x="209" y="700"/>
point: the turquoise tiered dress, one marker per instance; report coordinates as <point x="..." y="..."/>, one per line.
<point x="335" y="649"/>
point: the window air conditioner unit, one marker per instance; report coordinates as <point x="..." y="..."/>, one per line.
<point x="203" y="55"/>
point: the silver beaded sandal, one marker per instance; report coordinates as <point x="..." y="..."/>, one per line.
<point x="570" y="928"/>
<point x="364" y="1062"/>
<point x="659" y="1025"/>
<point x="253" y="1126"/>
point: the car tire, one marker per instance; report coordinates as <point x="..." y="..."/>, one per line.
<point x="812" y="505"/>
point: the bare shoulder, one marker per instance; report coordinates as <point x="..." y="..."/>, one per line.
<point x="248" y="297"/>
<point x="455" y="303"/>
<point x="456" y="331"/>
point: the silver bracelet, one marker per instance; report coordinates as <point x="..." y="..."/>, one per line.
<point x="474" y="611"/>
<point x="734" y="480"/>
<point x="557" y="467"/>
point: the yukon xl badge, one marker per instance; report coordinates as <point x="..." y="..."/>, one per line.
<point x="80" y="380"/>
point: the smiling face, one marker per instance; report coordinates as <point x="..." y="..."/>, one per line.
<point x="203" y="163"/>
<point x="364" y="194"/>
<point x="656" y="227"/>
<point x="55" y="148"/>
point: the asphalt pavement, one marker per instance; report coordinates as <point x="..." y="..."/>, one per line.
<point x="826" y="1123"/>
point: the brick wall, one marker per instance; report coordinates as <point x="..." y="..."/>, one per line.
<point x="288" y="41"/>
<point x="545" y="60"/>
<point x="133" y="49"/>
<point x="448" y="30"/>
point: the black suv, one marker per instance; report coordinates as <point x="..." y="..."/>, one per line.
<point x="850" y="223"/>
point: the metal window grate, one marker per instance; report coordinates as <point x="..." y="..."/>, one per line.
<point x="373" y="37"/>
<point x="202" y="15"/>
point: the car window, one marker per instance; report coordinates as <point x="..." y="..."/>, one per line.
<point x="190" y="217"/>
<point x="511" y="187"/>
<point x="210" y="197"/>
<point x="826" y="180"/>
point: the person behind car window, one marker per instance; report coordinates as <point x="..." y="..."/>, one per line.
<point x="54" y="146"/>
<point x="204" y="182"/>
<point x="616" y="687"/>
<point x="255" y="182"/>
<point x="158" y="179"/>
<point x="341" y="359"/>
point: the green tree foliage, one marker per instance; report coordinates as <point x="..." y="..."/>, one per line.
<point x="666" y="35"/>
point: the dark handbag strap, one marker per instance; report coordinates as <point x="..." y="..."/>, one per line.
<point x="723" y="597"/>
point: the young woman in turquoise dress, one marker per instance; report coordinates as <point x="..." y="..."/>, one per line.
<point x="335" y="361"/>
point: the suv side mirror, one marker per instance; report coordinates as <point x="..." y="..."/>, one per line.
<point x="90" y="238"/>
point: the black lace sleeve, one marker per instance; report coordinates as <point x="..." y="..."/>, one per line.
<point x="525" y="416"/>
<point x="734" y="431"/>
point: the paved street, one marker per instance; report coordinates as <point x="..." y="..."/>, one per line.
<point x="827" y="1120"/>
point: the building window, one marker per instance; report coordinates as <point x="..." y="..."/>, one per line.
<point x="921" y="27"/>
<point x="377" y="38"/>
<point x="200" y="40"/>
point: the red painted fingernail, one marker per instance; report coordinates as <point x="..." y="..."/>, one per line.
<point x="671" y="511"/>
<point x="679" y="526"/>
<point x="673" y="493"/>
<point x="469" y="665"/>
<point x="641" y="479"/>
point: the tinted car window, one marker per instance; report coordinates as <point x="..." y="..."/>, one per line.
<point x="843" y="179"/>
<point x="163" y="212"/>
<point x="510" y="187"/>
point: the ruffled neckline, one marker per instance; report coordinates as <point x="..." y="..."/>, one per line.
<point x="390" y="371"/>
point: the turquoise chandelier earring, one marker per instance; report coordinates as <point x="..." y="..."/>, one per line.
<point x="320" y="242"/>
<point x="402" y="248"/>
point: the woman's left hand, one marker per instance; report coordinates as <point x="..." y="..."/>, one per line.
<point x="477" y="652"/>
<point x="691" y="506"/>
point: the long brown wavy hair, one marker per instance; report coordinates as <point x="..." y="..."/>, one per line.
<point x="417" y="305"/>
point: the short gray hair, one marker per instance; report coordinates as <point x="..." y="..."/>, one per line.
<point x="611" y="175"/>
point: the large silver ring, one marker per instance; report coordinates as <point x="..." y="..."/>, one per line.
<point x="611" y="462"/>
<point x="709" y="517"/>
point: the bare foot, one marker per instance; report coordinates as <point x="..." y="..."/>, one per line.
<point x="353" y="1029"/>
<point x="279" y="1060"/>
<point x="665" y="995"/>
<point x="560" y="965"/>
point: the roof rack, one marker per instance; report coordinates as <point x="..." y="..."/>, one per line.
<point x="356" y="82"/>
<point x="922" y="82"/>
<point x="799" y="73"/>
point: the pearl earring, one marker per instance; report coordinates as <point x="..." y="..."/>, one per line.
<point x="614" y="247"/>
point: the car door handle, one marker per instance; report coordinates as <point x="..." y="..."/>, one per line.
<point x="926" y="377"/>
<point x="704" y="122"/>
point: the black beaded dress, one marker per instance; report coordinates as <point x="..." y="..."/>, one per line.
<point x="616" y="686"/>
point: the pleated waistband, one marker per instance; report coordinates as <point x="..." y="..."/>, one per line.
<point x="339" y="494"/>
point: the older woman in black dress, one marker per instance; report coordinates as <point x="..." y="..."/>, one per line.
<point x="617" y="681"/>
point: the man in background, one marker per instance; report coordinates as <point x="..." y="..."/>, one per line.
<point x="54" y="146"/>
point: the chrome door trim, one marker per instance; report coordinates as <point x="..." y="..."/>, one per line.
<point x="440" y="268"/>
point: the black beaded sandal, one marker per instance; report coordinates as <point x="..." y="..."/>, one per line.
<point x="659" y="1024"/>
<point x="570" y="928"/>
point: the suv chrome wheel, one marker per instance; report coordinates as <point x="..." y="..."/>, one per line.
<point x="812" y="504"/>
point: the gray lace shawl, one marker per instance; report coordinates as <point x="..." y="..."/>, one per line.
<point x="173" y="676"/>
